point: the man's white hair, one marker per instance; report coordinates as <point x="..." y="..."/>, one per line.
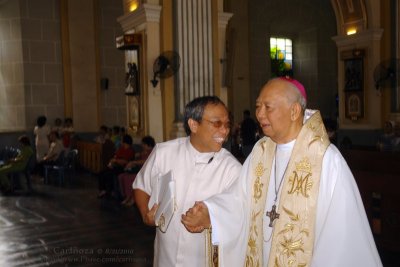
<point x="296" y="96"/>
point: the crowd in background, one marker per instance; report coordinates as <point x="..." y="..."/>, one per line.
<point x="390" y="138"/>
<point x="51" y="141"/>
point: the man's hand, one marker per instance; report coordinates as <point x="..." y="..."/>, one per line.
<point x="148" y="218"/>
<point x="196" y="218"/>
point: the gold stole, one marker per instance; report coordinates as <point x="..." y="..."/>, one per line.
<point x="293" y="233"/>
<point x="212" y="251"/>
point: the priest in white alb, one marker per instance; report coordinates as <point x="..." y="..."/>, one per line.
<point x="201" y="168"/>
<point x="296" y="202"/>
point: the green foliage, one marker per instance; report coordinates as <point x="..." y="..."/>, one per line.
<point x="274" y="53"/>
<point x="278" y="66"/>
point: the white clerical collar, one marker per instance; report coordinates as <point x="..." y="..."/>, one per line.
<point x="287" y="146"/>
<point x="199" y="157"/>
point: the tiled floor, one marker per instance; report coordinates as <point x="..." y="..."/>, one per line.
<point x="69" y="226"/>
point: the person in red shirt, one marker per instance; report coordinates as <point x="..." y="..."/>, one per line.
<point x="126" y="179"/>
<point x="116" y="166"/>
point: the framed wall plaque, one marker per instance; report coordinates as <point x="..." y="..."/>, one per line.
<point x="132" y="45"/>
<point x="354" y="74"/>
<point x="353" y="61"/>
<point x="354" y="105"/>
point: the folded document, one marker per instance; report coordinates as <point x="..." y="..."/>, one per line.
<point x="164" y="194"/>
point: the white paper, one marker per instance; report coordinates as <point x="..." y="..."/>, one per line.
<point x="164" y="194"/>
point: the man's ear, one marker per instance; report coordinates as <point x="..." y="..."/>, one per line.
<point x="193" y="125"/>
<point x="295" y="111"/>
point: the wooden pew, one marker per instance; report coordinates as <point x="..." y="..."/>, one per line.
<point x="378" y="178"/>
<point x="94" y="157"/>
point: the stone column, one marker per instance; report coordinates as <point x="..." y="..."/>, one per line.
<point x="146" y="19"/>
<point x="223" y="19"/>
<point x="195" y="44"/>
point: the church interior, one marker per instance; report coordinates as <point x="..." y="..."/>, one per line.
<point x="136" y="63"/>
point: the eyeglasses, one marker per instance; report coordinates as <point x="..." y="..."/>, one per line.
<point x="218" y="124"/>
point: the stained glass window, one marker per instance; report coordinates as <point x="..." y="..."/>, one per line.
<point x="281" y="52"/>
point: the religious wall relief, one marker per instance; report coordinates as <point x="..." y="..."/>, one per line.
<point x="354" y="83"/>
<point x="132" y="45"/>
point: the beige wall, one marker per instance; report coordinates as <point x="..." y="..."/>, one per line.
<point x="32" y="63"/>
<point x="82" y="45"/>
<point x="310" y="25"/>
<point x="248" y="50"/>
<point x="93" y="56"/>
<point x="32" y="66"/>
<point x="31" y="72"/>
<point x="12" y="94"/>
<point x="112" y="65"/>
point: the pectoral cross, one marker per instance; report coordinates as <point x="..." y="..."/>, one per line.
<point x="272" y="215"/>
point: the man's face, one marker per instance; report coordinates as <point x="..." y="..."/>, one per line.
<point x="209" y="134"/>
<point x="273" y="111"/>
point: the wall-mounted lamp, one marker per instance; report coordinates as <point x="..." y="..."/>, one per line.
<point x="133" y="5"/>
<point x="351" y="31"/>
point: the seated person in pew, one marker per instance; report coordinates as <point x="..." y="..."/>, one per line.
<point x="396" y="138"/>
<point x="54" y="152"/>
<point x="386" y="140"/>
<point x="57" y="126"/>
<point x="132" y="168"/>
<point x="116" y="137"/>
<point x="67" y="133"/>
<point x="116" y="166"/>
<point x="102" y="135"/>
<point x="16" y="164"/>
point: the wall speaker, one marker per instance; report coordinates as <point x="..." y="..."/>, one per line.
<point x="104" y="83"/>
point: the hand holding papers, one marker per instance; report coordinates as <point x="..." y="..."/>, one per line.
<point x="164" y="195"/>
